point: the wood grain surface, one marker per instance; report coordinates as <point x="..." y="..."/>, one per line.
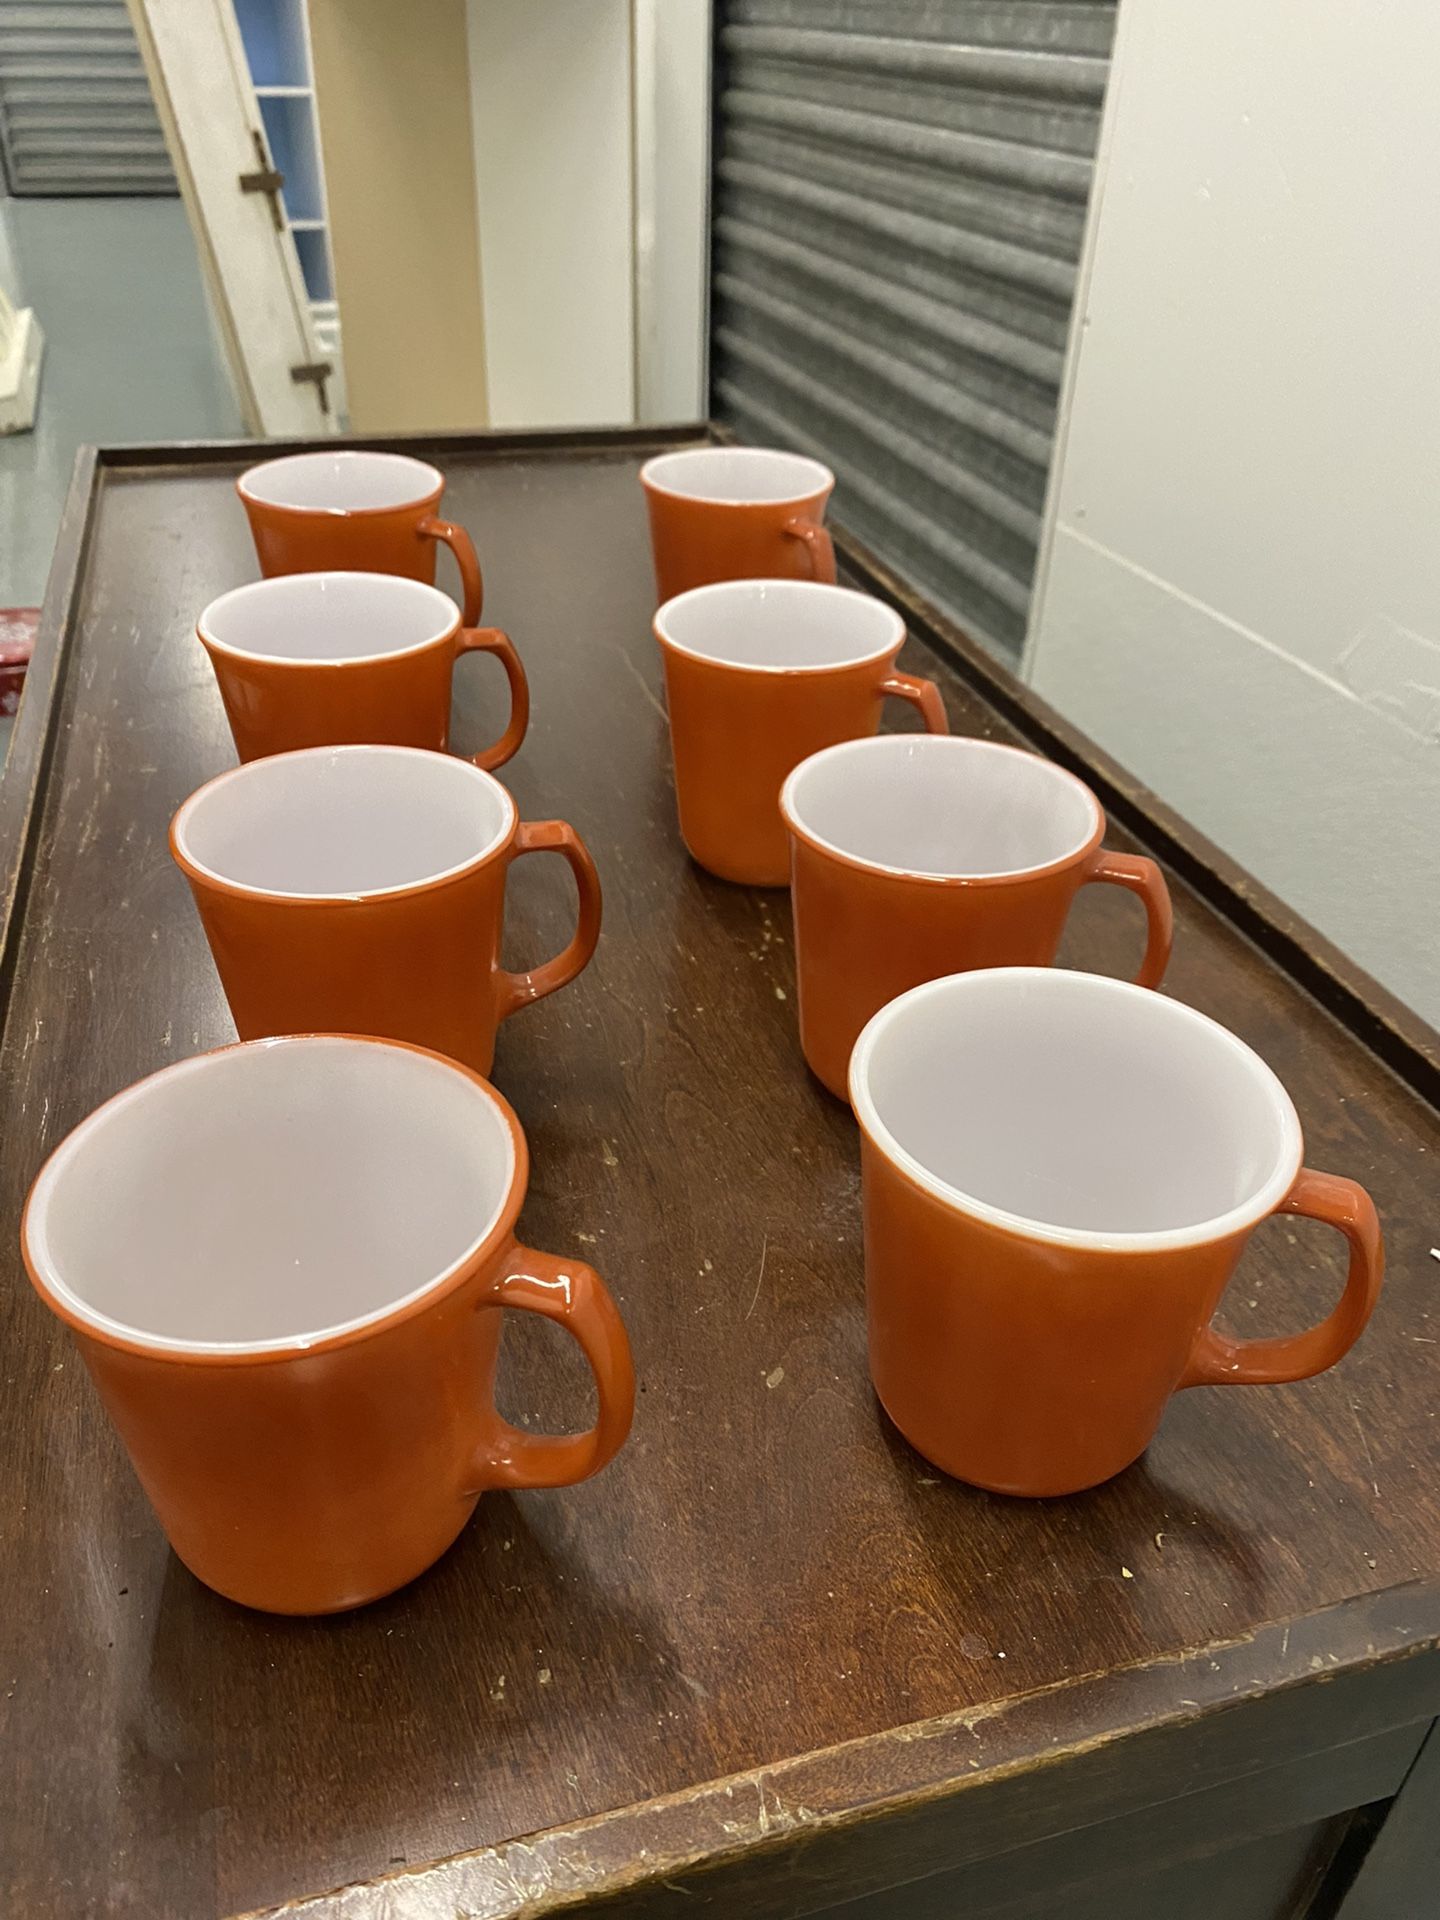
<point x="767" y="1570"/>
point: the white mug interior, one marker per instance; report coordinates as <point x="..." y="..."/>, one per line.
<point x="941" y="805"/>
<point x="329" y="618"/>
<point x="272" y="1195"/>
<point x="738" y="476"/>
<point x="780" y="626"/>
<point x="1076" y="1108"/>
<point x="338" y="823"/>
<point x="343" y="480"/>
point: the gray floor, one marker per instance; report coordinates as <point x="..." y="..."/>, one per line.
<point x="129" y="354"/>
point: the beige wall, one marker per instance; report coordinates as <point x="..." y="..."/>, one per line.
<point x="392" y="87"/>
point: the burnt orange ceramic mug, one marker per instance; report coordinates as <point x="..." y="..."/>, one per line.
<point x="1060" y="1174"/>
<point x="913" y="857"/>
<point x="349" y="510"/>
<point x="759" y="674"/>
<point x="332" y="659"/>
<point x="736" y="513"/>
<point x="362" y="890"/>
<point x="285" y="1266"/>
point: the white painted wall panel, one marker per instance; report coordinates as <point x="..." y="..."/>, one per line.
<point x="1319" y="794"/>
<point x="1241" y="594"/>
<point x="551" y="94"/>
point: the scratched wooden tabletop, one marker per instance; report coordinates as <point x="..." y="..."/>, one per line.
<point x="767" y="1569"/>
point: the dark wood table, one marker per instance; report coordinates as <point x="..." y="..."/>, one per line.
<point x="770" y="1662"/>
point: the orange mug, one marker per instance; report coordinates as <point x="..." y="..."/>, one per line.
<point x="331" y="659"/>
<point x="736" y="513"/>
<point x="355" y="512"/>
<point x="362" y="890"/>
<point x="914" y="857"/>
<point x="1060" y="1173"/>
<point x="759" y="674"/>
<point x="284" y="1265"/>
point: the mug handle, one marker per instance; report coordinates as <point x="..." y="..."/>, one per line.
<point x="923" y="694"/>
<point x="554" y="836"/>
<point x="1141" y="876"/>
<point x="492" y="640"/>
<point x="1218" y="1361"/>
<point x="574" y="1295"/>
<point x="466" y="558"/>
<point x="819" y="548"/>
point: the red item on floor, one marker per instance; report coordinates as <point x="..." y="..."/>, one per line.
<point x="17" y="642"/>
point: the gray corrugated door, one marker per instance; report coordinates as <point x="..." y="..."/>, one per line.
<point x="76" y="113"/>
<point x="900" y="192"/>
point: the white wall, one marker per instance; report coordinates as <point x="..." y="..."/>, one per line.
<point x="590" y="123"/>
<point x="550" y="89"/>
<point x="1240" y="593"/>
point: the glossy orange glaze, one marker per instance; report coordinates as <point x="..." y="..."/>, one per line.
<point x="1032" y="1367"/>
<point x="695" y="542"/>
<point x="363" y="540"/>
<point x="310" y="1481"/>
<point x="401" y="699"/>
<point x="419" y="963"/>
<point x="864" y="935"/>
<point x="737" y="733"/>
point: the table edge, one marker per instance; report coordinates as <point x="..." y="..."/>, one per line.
<point x="24" y="772"/>
<point x="743" y="1825"/>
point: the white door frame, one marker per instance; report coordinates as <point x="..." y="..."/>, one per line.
<point x="201" y="82"/>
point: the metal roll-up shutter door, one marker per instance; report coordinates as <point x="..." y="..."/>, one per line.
<point x="900" y="191"/>
<point x="76" y="112"/>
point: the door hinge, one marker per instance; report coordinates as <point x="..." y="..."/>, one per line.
<point x="314" y="373"/>
<point x="266" y="179"/>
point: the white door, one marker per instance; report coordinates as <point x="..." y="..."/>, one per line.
<point x="207" y="106"/>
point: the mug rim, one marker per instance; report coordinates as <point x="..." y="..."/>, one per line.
<point x="283" y="581"/>
<point x="66" y="1305"/>
<point x="730" y="588"/>
<point x="825" y="485"/>
<point x="945" y="742"/>
<point x="432" y="493"/>
<point x="1238" y="1219"/>
<point x="196" y="871"/>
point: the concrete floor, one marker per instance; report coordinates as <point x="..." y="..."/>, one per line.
<point x="129" y="355"/>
